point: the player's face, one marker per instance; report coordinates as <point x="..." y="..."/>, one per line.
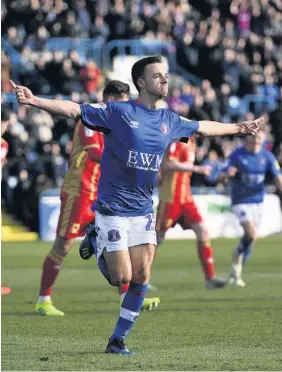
<point x="255" y="143"/>
<point x="156" y="80"/>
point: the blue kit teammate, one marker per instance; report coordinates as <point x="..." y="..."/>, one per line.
<point x="247" y="168"/>
<point x="137" y="134"/>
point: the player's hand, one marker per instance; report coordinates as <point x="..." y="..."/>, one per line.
<point x="231" y="171"/>
<point x="251" y="127"/>
<point x="23" y="94"/>
<point x="205" y="170"/>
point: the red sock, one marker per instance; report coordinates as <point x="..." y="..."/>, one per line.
<point x="206" y="257"/>
<point x="123" y="288"/>
<point x="50" y="273"/>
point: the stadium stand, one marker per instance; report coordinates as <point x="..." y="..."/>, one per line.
<point x="225" y="57"/>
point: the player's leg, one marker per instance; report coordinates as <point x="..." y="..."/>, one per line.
<point x="242" y="252"/>
<point x="167" y="215"/>
<point x="50" y="271"/>
<point x="205" y="254"/>
<point x="192" y="219"/>
<point x="113" y="258"/>
<point x="75" y="215"/>
<point x="249" y="217"/>
<point x="142" y="242"/>
<point x="89" y="244"/>
<point x="141" y="260"/>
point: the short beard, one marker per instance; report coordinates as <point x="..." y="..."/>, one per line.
<point x="157" y="95"/>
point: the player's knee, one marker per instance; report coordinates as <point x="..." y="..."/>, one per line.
<point x="118" y="280"/>
<point x="141" y="276"/>
<point x="249" y="237"/>
<point x="62" y="246"/>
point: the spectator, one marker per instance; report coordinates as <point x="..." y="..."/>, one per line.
<point x="197" y="112"/>
<point x="186" y="95"/>
<point x="83" y="18"/>
<point x="233" y="47"/>
<point x="91" y="76"/>
<point x="231" y="69"/>
<point x="100" y="30"/>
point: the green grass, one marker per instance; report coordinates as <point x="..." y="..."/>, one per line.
<point x="193" y="329"/>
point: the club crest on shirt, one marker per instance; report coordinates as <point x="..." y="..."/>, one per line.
<point x="113" y="236"/>
<point x="164" y="128"/>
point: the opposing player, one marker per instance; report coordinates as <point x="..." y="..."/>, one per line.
<point x="5" y="117"/>
<point x="177" y="204"/>
<point x="247" y="168"/>
<point x="136" y="137"/>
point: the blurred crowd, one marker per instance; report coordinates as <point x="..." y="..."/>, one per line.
<point x="233" y="46"/>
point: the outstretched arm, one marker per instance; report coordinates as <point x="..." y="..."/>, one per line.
<point x="214" y="128"/>
<point x="53" y="106"/>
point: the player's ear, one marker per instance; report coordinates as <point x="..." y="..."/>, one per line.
<point x="141" y="82"/>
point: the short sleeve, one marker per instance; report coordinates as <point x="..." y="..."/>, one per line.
<point x="273" y="165"/>
<point x="183" y="128"/>
<point x="89" y="138"/>
<point x="97" y="116"/>
<point x="172" y="151"/>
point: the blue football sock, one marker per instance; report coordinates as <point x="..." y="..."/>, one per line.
<point x="130" y="309"/>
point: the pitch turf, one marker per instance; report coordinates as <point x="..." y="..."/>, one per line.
<point x="193" y="329"/>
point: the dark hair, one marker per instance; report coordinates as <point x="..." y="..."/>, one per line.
<point x="139" y="67"/>
<point x="115" y="88"/>
<point x="5" y="114"/>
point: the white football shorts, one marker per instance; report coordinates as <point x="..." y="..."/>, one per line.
<point x="248" y="212"/>
<point x="116" y="233"/>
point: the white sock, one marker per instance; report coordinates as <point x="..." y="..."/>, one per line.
<point x="44" y="299"/>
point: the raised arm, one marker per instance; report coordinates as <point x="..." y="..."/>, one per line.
<point x="53" y="106"/>
<point x="214" y="128"/>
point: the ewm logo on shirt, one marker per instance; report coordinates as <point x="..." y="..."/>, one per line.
<point x="144" y="160"/>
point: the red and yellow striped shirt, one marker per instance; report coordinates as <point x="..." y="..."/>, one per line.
<point x="83" y="174"/>
<point x="176" y="186"/>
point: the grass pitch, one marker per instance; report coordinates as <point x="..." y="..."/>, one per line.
<point x="193" y="329"/>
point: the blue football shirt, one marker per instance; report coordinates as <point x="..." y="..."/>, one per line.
<point x="136" y="138"/>
<point x="247" y="186"/>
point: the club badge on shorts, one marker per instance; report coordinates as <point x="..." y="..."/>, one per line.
<point x="113" y="236"/>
